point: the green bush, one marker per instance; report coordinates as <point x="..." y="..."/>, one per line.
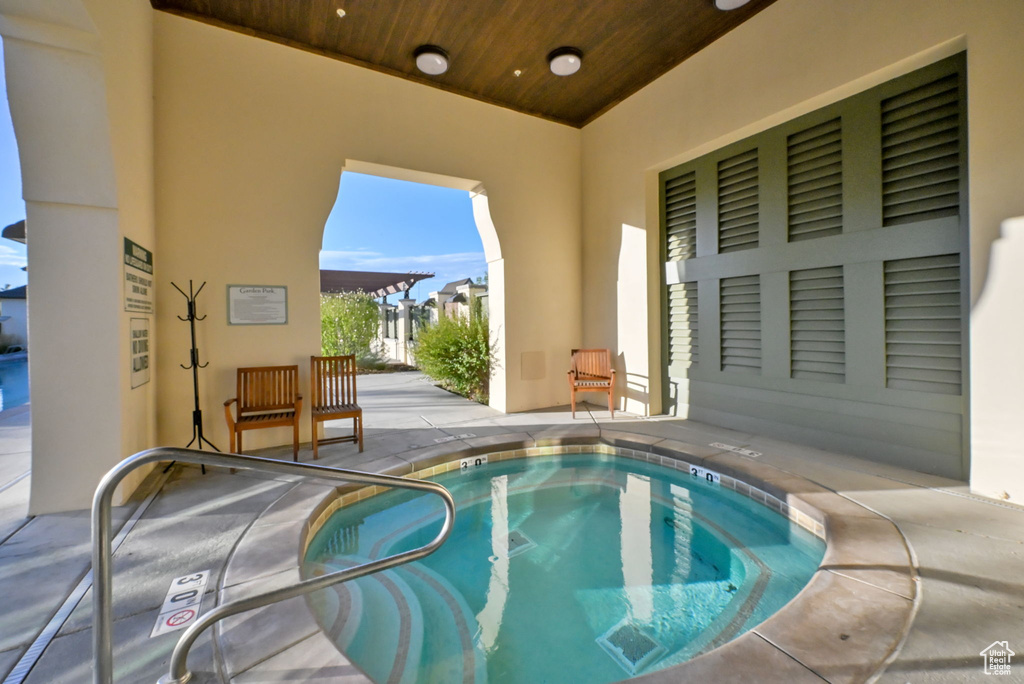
<point x="457" y="353"/>
<point x="348" y="325"/>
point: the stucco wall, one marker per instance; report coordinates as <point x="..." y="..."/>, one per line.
<point x="250" y="139"/>
<point x="792" y="58"/>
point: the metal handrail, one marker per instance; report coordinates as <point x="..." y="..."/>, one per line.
<point x="101" y="542"/>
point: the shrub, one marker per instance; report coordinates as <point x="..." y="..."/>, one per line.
<point x="348" y="325"/>
<point x="7" y="340"/>
<point x="457" y="353"/>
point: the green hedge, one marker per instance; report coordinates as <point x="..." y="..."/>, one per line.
<point x="456" y="352"/>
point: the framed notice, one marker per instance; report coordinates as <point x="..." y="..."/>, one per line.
<point x="140" y="351"/>
<point x="257" y="305"/>
<point x="138" y="278"/>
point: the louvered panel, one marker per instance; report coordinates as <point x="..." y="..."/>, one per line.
<point x="815" y="181"/>
<point x="923" y="323"/>
<point x="740" y="321"/>
<point x="817" y="322"/>
<point x="738" y="209"/>
<point x="682" y="302"/>
<point x="921" y="153"/>
<point x="681" y="217"/>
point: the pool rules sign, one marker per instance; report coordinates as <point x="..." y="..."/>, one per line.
<point x="138" y="278"/>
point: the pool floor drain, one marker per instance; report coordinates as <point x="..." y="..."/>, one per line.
<point x="630" y="647"/>
<point x="518" y="543"/>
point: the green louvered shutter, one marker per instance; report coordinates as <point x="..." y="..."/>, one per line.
<point x="815" y="180"/>
<point x="923" y="324"/>
<point x="921" y="153"/>
<point x="817" y="321"/>
<point x="741" y="324"/>
<point x="738" y="195"/>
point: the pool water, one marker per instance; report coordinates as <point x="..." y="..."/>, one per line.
<point x="13" y="382"/>
<point x="574" y="568"/>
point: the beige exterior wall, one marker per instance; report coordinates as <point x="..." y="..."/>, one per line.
<point x="794" y="57"/>
<point x="250" y="139"/>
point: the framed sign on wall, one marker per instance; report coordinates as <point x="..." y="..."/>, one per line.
<point x="257" y="305"/>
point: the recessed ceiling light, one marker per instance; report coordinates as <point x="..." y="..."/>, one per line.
<point x="431" y="59"/>
<point x="730" y="4"/>
<point x="565" y="61"/>
<point x="341" y="12"/>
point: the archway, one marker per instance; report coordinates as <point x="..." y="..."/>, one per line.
<point x="492" y="254"/>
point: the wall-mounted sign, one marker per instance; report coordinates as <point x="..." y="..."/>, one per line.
<point x="140" y="351"/>
<point x="138" y="278"/>
<point x="257" y="305"/>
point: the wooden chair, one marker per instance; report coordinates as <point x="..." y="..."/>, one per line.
<point x="268" y="396"/>
<point x="333" y="380"/>
<point x="592" y="371"/>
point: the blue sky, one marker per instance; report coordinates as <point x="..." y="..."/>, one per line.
<point x="381" y="224"/>
<point x="12" y="207"/>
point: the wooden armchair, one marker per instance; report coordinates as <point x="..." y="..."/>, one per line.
<point x="268" y="396"/>
<point x="333" y="380"/>
<point x="592" y="371"/>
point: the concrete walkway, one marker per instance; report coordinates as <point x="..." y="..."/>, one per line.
<point x="969" y="550"/>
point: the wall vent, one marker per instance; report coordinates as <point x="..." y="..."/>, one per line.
<point x="741" y="324"/>
<point x="738" y="202"/>
<point x="923" y="324"/>
<point x="921" y="153"/>
<point x="817" y="319"/>
<point x="681" y="217"/>
<point x="815" y="180"/>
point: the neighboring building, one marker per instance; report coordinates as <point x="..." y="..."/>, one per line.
<point x="401" y="321"/>
<point x="456" y="298"/>
<point x="14" y="314"/>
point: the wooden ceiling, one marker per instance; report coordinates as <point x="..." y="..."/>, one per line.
<point x="626" y="44"/>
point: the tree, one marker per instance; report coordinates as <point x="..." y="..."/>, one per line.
<point x="348" y="324"/>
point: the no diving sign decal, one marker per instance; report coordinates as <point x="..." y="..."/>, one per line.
<point x="182" y="603"/>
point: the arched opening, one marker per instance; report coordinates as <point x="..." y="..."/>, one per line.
<point x="483" y="270"/>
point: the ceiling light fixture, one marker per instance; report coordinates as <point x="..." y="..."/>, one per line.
<point x="727" y="5"/>
<point x="565" y="61"/>
<point x="431" y="59"/>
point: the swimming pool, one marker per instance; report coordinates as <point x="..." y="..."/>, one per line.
<point x="13" y="382"/>
<point x="579" y="567"/>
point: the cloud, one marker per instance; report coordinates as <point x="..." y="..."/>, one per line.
<point x="375" y="261"/>
<point x="12" y="256"/>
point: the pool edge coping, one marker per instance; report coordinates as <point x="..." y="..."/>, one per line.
<point x="847" y="622"/>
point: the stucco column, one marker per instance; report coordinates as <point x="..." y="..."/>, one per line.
<point x="55" y="82"/>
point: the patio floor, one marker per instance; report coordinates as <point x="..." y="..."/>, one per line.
<point x="968" y="550"/>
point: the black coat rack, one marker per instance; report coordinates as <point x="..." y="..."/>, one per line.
<point x="194" y="365"/>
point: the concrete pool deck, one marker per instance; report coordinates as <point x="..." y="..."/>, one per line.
<point x="967" y="551"/>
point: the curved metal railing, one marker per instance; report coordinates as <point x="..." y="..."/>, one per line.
<point x="101" y="542"/>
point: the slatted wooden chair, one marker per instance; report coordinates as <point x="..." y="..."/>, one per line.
<point x="333" y="380"/>
<point x="268" y="396"/>
<point x="591" y="371"/>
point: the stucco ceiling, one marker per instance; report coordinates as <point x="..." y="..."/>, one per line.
<point x="626" y="44"/>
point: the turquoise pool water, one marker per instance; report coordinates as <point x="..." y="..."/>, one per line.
<point x="574" y="568"/>
<point x="13" y="383"/>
